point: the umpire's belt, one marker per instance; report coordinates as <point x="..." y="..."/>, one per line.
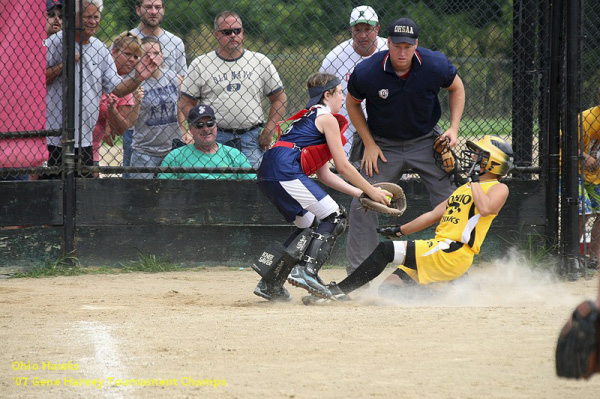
<point x="242" y="131"/>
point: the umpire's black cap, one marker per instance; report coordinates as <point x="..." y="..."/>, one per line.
<point x="403" y="30"/>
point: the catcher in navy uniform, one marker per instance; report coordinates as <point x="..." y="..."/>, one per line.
<point x="314" y="137"/>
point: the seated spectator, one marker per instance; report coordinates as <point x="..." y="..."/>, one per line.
<point x="119" y="112"/>
<point x="157" y="124"/>
<point x="205" y="151"/>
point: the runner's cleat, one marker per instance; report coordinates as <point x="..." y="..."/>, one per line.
<point x="301" y="277"/>
<point x="311" y="300"/>
<point x="336" y="295"/>
<point x="270" y="293"/>
<point x="336" y="292"/>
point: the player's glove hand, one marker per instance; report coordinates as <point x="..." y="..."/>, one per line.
<point x="475" y="169"/>
<point x="442" y="153"/>
<point x="578" y="347"/>
<point x="397" y="203"/>
<point x="390" y="232"/>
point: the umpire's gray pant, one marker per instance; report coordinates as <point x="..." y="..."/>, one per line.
<point x="401" y="155"/>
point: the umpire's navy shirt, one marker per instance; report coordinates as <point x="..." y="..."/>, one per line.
<point x="402" y="108"/>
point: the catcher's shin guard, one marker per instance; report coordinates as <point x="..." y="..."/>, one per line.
<point x="305" y="275"/>
<point x="276" y="260"/>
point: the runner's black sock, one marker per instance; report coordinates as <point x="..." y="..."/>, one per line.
<point x="370" y="268"/>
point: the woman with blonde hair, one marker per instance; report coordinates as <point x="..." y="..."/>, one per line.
<point x="118" y="114"/>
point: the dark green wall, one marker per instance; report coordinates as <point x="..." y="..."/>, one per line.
<point x="193" y="222"/>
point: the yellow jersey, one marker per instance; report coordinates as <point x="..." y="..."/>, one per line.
<point x="591" y="141"/>
<point x="461" y="221"/>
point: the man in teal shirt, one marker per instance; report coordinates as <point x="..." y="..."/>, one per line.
<point x="205" y="151"/>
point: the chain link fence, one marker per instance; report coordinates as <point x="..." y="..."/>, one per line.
<point x="112" y="124"/>
<point x="498" y="47"/>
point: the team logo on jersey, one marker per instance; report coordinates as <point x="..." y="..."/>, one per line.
<point x="383" y="93"/>
<point x="453" y="207"/>
<point x="234" y="87"/>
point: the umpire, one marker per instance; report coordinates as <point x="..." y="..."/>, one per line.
<point x="400" y="87"/>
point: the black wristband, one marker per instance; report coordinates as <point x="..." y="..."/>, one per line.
<point x="400" y="232"/>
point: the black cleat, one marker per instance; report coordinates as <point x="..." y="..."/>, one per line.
<point x="311" y="300"/>
<point x="336" y="293"/>
<point x="270" y="293"/>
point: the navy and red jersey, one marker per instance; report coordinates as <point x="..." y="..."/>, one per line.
<point x="282" y="163"/>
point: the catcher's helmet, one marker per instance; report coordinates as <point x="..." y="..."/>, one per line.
<point x="497" y="154"/>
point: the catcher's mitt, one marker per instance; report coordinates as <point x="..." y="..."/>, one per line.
<point x="578" y="348"/>
<point x="397" y="205"/>
<point x="444" y="158"/>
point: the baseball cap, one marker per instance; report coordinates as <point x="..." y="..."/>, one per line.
<point x="403" y="30"/>
<point x="50" y="4"/>
<point x="200" y="111"/>
<point x="364" y="15"/>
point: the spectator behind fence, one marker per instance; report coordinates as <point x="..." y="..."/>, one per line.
<point x="234" y="81"/>
<point x="590" y="122"/>
<point x="205" y="152"/>
<point x="364" y="27"/>
<point x="99" y="75"/>
<point x="151" y="13"/>
<point x="118" y="114"/>
<point x="53" y="16"/>
<point x="401" y="89"/>
<point x="157" y="124"/>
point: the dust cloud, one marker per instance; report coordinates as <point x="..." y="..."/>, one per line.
<point x="510" y="281"/>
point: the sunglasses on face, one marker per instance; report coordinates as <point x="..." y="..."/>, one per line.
<point x="200" y="125"/>
<point x="228" y="32"/>
<point x="52" y="14"/>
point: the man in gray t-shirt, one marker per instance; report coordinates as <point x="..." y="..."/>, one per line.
<point x="151" y="13"/>
<point x="235" y="81"/>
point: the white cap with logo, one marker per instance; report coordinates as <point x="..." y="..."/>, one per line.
<point x="364" y="15"/>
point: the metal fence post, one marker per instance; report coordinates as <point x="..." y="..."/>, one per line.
<point x="569" y="213"/>
<point x="554" y="117"/>
<point x="68" y="148"/>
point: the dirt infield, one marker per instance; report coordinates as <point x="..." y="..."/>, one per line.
<point x="204" y="334"/>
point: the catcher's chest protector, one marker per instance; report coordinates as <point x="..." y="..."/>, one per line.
<point x="313" y="157"/>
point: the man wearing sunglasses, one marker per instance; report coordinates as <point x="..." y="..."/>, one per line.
<point x="53" y="16"/>
<point x="234" y="81"/>
<point x="205" y="151"/>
